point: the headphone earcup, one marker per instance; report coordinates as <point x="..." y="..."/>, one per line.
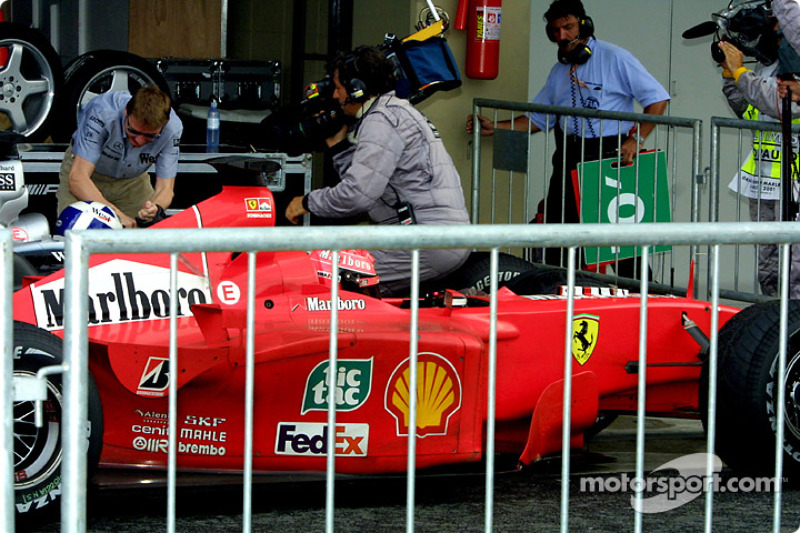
<point x="587" y="28"/>
<point x="577" y="56"/>
<point x="356" y="89"/>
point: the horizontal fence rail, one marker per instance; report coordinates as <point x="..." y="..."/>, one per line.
<point x="80" y="245"/>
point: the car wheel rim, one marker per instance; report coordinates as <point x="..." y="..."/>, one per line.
<point x="116" y="78"/>
<point x="37" y="451"/>
<point x="27" y="90"/>
<point x="792" y="395"/>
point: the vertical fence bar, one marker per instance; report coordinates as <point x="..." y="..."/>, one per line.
<point x="492" y="393"/>
<point x="413" y="356"/>
<point x="567" y="410"/>
<point x="249" y="388"/>
<point x="7" y="385"/>
<point x="641" y="408"/>
<point x="476" y="165"/>
<point x="333" y="366"/>
<point x="75" y="381"/>
<point x="783" y="342"/>
<point x="713" y="361"/>
<point x="172" y="410"/>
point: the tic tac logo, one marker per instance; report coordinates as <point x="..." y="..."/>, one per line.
<point x="353" y="385"/>
<point x="438" y="395"/>
<point x="155" y="377"/>
<point x="298" y="438"/>
<point x="258" y="207"/>
<point x="585" y="329"/>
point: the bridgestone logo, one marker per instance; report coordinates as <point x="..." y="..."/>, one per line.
<point x="122" y="291"/>
<point x="318" y="304"/>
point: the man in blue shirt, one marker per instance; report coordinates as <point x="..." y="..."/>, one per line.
<point x="119" y="137"/>
<point x="590" y="74"/>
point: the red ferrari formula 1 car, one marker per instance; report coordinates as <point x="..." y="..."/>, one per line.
<point x="129" y="337"/>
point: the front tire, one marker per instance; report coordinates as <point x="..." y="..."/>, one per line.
<point x="748" y="391"/>
<point x="37" y="451"/>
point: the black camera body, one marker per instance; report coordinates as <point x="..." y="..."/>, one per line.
<point x="302" y="127"/>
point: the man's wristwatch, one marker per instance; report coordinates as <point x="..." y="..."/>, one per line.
<point x="636" y="137"/>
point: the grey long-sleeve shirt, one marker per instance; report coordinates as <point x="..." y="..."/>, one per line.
<point x="397" y="156"/>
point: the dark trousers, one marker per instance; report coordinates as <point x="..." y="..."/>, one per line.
<point x="561" y="206"/>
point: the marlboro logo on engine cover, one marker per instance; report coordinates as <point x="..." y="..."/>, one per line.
<point x="121" y="291"/>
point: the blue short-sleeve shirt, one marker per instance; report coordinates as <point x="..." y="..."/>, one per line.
<point x="611" y="80"/>
<point x="101" y="139"/>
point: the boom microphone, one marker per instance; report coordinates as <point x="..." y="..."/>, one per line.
<point x="701" y="30"/>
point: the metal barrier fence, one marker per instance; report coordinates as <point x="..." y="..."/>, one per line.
<point x="80" y="245"/>
<point x="737" y="150"/>
<point x="619" y="200"/>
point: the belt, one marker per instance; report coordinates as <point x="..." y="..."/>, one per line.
<point x="576" y="139"/>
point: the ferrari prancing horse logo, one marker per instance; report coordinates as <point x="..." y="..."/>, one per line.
<point x="585" y="329"/>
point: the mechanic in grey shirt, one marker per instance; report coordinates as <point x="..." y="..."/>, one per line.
<point x="392" y="164"/>
<point x="119" y="137"/>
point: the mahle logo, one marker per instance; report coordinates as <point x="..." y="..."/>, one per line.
<point x="353" y="384"/>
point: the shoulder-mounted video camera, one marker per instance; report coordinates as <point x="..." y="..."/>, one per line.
<point x="423" y="65"/>
<point x="747" y="24"/>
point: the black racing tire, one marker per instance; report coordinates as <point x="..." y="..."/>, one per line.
<point x="547" y="281"/>
<point x="474" y="274"/>
<point x="748" y="389"/>
<point x="728" y="334"/>
<point x="31" y="80"/>
<point x="99" y="72"/>
<point x="37" y="451"/>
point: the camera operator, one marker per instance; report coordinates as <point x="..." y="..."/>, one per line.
<point x="788" y="14"/>
<point x="392" y="164"/>
<point x="759" y="177"/>
<point x="762" y="92"/>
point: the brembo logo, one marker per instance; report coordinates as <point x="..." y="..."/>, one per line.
<point x="122" y="291"/>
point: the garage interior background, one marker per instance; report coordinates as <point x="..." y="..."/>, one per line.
<point x="270" y="30"/>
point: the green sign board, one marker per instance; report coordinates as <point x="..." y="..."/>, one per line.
<point x="615" y="194"/>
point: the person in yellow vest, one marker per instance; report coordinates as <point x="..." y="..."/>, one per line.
<point x="759" y="179"/>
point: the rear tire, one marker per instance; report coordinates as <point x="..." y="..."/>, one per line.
<point x="475" y="273"/>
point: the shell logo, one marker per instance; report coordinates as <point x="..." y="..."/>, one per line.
<point x="438" y="395"/>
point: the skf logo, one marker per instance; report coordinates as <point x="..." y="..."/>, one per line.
<point x="438" y="395"/>
<point x="155" y="378"/>
<point x="298" y="438"/>
<point x="258" y="207"/>
<point x="353" y="385"/>
<point x="585" y="329"/>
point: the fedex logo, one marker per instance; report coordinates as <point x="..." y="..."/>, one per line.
<point x="306" y="438"/>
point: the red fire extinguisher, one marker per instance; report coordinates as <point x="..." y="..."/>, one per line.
<point x="481" y="19"/>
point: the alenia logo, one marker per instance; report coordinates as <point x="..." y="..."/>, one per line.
<point x="438" y="395"/>
<point x="121" y="291"/>
<point x="353" y="385"/>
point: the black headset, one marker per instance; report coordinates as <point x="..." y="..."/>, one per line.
<point x="581" y="53"/>
<point x="350" y="78"/>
